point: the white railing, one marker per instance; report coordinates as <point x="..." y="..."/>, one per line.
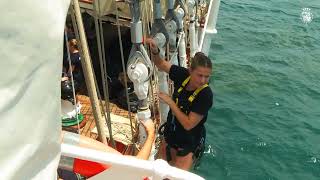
<point x="209" y="27"/>
<point x="127" y="167"/>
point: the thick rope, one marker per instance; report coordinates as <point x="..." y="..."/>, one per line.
<point x="152" y="78"/>
<point x="125" y="73"/>
<point x="88" y="70"/>
<point x="72" y="81"/>
<point x="176" y="51"/>
<point x="101" y="51"/>
<point x="107" y="100"/>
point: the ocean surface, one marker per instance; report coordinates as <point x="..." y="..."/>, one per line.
<point x="265" y="124"/>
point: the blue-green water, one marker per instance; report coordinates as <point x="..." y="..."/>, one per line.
<point x="265" y="123"/>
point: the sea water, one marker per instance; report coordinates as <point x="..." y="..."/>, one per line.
<point x="265" y="123"/>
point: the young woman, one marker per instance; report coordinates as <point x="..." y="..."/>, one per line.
<point x="184" y="131"/>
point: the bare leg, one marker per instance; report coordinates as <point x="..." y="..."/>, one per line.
<point x="162" y="154"/>
<point x="162" y="151"/>
<point x="184" y="162"/>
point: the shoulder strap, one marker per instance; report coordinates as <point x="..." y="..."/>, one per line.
<point x="184" y="83"/>
<point x="196" y="92"/>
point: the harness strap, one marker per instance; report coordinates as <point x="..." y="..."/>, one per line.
<point x="196" y="92"/>
<point x="184" y="83"/>
<point x="168" y="153"/>
<point x="161" y="128"/>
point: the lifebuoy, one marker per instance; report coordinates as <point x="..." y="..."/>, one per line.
<point x="88" y="168"/>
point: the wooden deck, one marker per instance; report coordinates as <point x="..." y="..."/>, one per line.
<point x="121" y="131"/>
<point x="89" y="123"/>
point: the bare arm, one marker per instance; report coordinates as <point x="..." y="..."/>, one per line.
<point x="144" y="152"/>
<point x="86" y="142"/>
<point x="161" y="64"/>
<point x="71" y="69"/>
<point x="187" y="121"/>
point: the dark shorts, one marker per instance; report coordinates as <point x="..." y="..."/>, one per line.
<point x="184" y="144"/>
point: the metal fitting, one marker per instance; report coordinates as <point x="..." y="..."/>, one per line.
<point x="144" y="115"/>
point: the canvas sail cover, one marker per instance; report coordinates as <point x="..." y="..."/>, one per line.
<point x="110" y="7"/>
<point x="31" y="39"/>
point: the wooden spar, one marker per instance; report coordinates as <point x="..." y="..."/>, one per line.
<point x="89" y="76"/>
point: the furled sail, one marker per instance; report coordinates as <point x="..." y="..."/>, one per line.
<point x="108" y="7"/>
<point x="31" y="39"/>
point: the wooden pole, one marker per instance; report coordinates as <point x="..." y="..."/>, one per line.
<point x="89" y="76"/>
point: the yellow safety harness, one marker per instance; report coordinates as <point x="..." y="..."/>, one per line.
<point x="195" y="93"/>
<point x="190" y="99"/>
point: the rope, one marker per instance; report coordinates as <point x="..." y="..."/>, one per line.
<point x="175" y="52"/>
<point x="72" y="81"/>
<point x="153" y="76"/>
<point x="76" y="31"/>
<point x="124" y="71"/>
<point x="88" y="71"/>
<point x="152" y="96"/>
<point x="100" y="41"/>
<point x="107" y="100"/>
